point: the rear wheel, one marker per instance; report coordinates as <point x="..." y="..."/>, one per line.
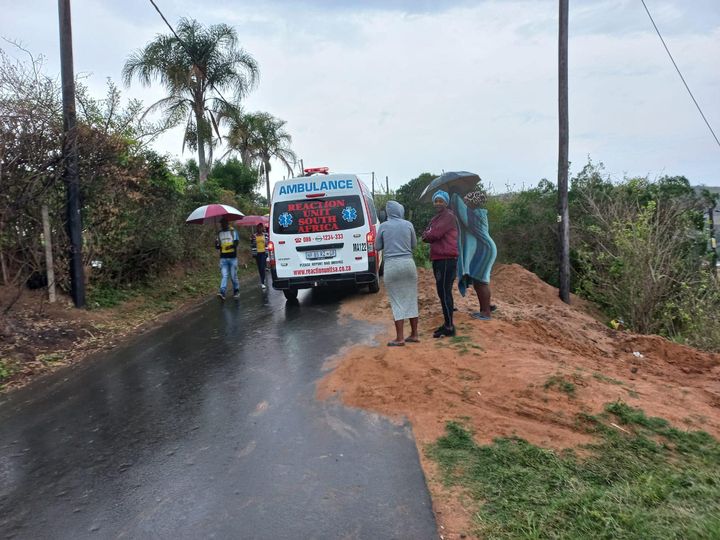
<point x="290" y="294"/>
<point x="374" y="286"/>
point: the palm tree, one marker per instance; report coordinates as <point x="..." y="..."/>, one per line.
<point x="242" y="135"/>
<point x="259" y="138"/>
<point x="195" y="68"/>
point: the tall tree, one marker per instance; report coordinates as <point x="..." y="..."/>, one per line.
<point x="273" y="142"/>
<point x="260" y="138"/>
<point x="196" y="66"/>
<point x="242" y="137"/>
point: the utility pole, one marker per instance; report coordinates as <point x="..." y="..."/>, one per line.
<point x="70" y="155"/>
<point x="373" y="185"/>
<point x="387" y="185"/>
<point x="713" y="241"/>
<point x="302" y="168"/>
<point x="563" y="217"/>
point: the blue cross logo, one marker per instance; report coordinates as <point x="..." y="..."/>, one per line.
<point x="285" y="219"/>
<point x="349" y="214"/>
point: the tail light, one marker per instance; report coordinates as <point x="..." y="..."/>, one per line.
<point x="271" y="254"/>
<point x="370" y="239"/>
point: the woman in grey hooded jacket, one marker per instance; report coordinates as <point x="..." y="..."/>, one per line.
<point x="396" y="238"/>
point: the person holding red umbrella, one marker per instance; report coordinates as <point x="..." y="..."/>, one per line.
<point x="226" y="242"/>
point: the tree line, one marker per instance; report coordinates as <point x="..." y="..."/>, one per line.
<point x="133" y="200"/>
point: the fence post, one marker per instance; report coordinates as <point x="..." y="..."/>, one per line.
<point x="48" y="253"/>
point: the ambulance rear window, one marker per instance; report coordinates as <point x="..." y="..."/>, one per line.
<point x="320" y="215"/>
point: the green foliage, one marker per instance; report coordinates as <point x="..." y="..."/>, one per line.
<point x="562" y="384"/>
<point x="232" y="175"/>
<point x="421" y="255"/>
<point x="193" y="64"/>
<point x="419" y="214"/>
<point x="637" y="249"/>
<point x="524" y="228"/>
<point x="5" y="370"/>
<point x="651" y="481"/>
<point x="639" y="253"/>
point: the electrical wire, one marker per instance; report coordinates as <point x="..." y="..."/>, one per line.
<point x="681" y="75"/>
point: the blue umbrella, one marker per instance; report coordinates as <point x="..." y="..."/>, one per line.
<point x="460" y="181"/>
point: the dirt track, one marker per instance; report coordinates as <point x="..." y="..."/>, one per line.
<point x="495" y="374"/>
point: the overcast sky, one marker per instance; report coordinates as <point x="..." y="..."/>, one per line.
<point x="402" y="87"/>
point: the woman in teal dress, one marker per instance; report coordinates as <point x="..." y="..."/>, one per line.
<point x="477" y="251"/>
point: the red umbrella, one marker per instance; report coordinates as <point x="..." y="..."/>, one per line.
<point x="212" y="213"/>
<point x="253" y="221"/>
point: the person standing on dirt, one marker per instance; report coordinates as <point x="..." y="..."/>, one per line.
<point x="397" y="240"/>
<point x="477" y="251"/>
<point x="258" y="246"/>
<point x="226" y="242"/>
<point x="442" y="235"/>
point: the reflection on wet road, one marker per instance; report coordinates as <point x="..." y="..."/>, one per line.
<point x="208" y="428"/>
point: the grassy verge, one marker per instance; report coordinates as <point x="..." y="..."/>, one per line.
<point x="642" y="479"/>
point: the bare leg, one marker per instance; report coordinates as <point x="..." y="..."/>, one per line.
<point x="414" y="328"/>
<point x="399" y="331"/>
<point x="483" y="293"/>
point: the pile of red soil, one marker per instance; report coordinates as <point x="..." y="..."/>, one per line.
<point x="505" y="375"/>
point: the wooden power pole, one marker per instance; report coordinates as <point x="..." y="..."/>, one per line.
<point x="70" y="155"/>
<point x="563" y="166"/>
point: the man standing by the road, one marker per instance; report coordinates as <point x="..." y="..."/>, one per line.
<point x="442" y="235"/>
<point x="227" y="241"/>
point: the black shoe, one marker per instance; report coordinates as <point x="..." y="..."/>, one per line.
<point x="443" y="331"/>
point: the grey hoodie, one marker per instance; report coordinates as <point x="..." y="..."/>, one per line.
<point x="396" y="236"/>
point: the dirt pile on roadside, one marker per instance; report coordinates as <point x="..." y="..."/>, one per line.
<point x="528" y="372"/>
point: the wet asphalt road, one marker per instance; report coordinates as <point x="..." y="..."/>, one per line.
<point x="208" y="428"/>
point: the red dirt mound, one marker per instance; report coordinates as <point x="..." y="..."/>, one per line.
<point x="505" y="375"/>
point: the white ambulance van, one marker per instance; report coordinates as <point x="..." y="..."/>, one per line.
<point x="322" y="233"/>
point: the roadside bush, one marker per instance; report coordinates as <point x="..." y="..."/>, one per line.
<point x="524" y="228"/>
<point x="133" y="203"/>
<point x="638" y="249"/>
<point x="421" y="255"/>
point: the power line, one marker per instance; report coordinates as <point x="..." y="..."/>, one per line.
<point x="678" y="70"/>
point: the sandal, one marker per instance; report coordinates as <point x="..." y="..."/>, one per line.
<point x="480" y="316"/>
<point x="412" y="340"/>
<point x="395" y="343"/>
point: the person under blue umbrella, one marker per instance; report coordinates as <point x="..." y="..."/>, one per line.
<point x="476" y="249"/>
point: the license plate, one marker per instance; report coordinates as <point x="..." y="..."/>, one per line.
<point x="321" y="254"/>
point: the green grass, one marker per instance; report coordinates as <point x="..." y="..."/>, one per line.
<point x="649" y="481"/>
<point x="561" y="383"/>
<point x="604" y="378"/>
<point x="165" y="293"/>
<point x="5" y="370"/>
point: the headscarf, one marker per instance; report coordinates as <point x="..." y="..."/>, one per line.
<point x="440" y="194"/>
<point x="475" y="198"/>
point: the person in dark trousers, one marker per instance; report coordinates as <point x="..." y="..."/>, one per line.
<point x="258" y="246"/>
<point x="442" y="235"/>
<point x="226" y="242"/>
